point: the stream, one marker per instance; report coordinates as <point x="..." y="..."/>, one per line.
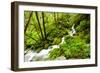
<point x="43" y="54"/>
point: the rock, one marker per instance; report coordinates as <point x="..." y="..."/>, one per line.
<point x="60" y="58"/>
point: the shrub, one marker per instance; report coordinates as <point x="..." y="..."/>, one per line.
<point x="75" y="48"/>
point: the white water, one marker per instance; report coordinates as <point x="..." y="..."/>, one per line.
<point x="73" y="31"/>
<point x="43" y="54"/>
<point x="63" y="38"/>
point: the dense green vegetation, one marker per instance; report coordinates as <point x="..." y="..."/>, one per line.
<point x="43" y="29"/>
<point x="72" y="48"/>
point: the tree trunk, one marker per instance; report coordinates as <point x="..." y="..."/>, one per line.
<point x="44" y="26"/>
<point x="28" y="22"/>
<point x="39" y="24"/>
<point x="55" y="19"/>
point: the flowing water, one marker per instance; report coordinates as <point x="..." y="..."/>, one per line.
<point x="43" y="54"/>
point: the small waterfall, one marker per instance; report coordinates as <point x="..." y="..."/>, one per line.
<point x="73" y="31"/>
<point x="63" y="39"/>
<point x="55" y="46"/>
<point x="43" y="54"/>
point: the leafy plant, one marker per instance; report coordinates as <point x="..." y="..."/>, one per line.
<point x="75" y="48"/>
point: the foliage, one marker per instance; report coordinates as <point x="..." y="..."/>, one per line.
<point x="73" y="48"/>
<point x="43" y="29"/>
<point x="56" y="52"/>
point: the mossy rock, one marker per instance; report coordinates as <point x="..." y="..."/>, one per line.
<point x="46" y="45"/>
